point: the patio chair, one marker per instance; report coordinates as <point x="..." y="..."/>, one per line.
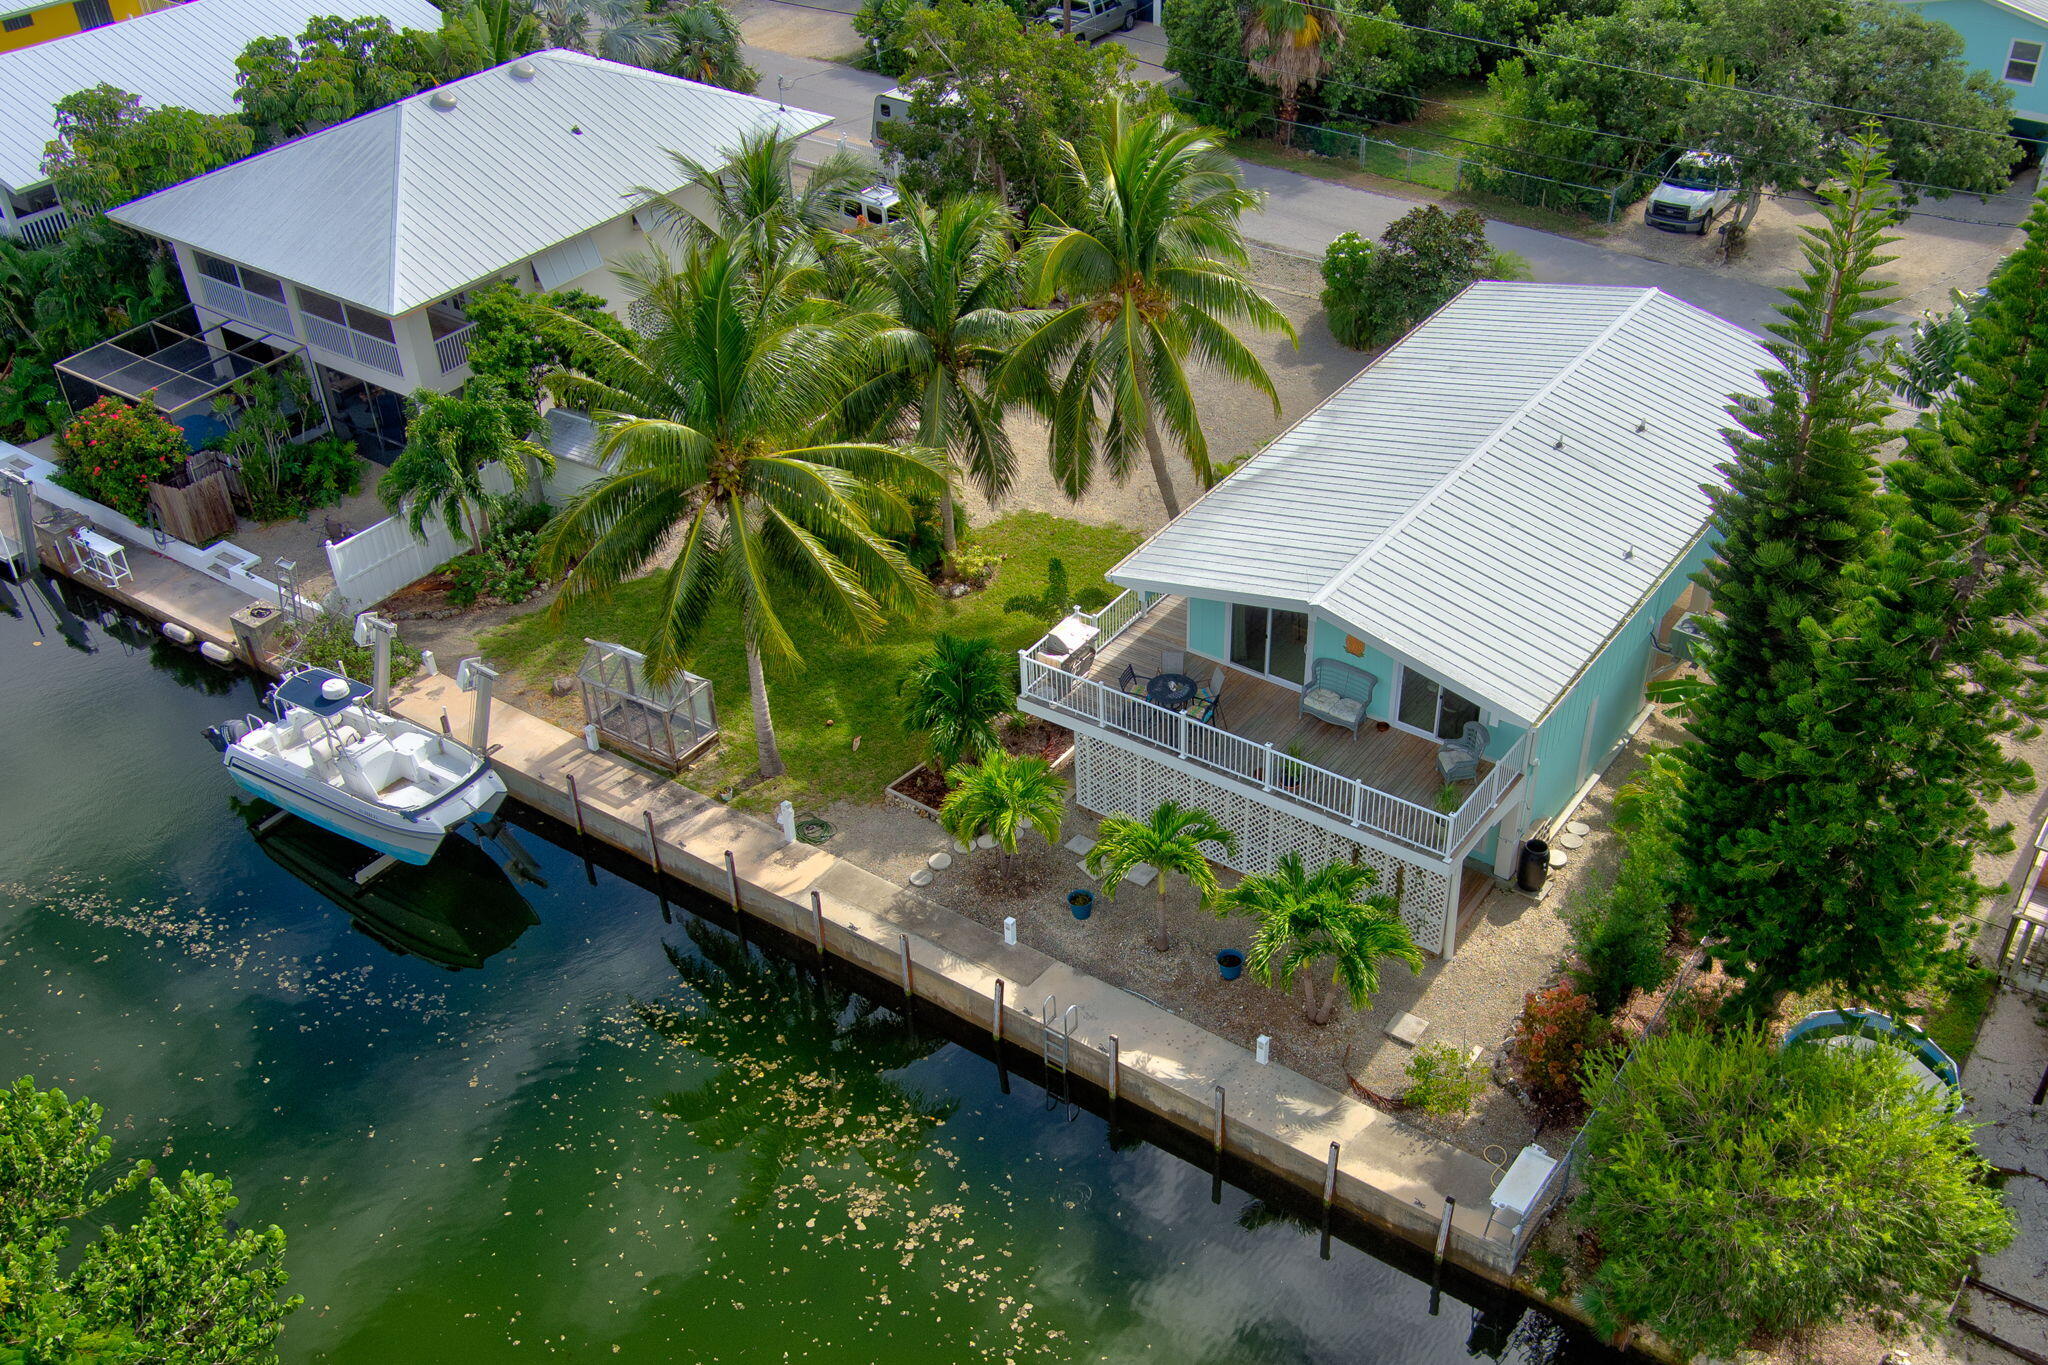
<point x="1130" y="682"/>
<point x="1215" y="687"/>
<point x="1173" y="661"/>
<point x="1458" y="759"/>
<point x="1212" y="712"/>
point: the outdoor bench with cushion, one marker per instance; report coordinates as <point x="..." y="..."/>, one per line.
<point x="1338" y="693"/>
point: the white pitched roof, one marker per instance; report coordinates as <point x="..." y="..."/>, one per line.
<point x="183" y="56"/>
<point x="1428" y="504"/>
<point x="410" y="203"/>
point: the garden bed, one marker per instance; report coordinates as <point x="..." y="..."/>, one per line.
<point x="924" y="788"/>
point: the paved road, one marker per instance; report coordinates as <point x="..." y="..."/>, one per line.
<point x="1302" y="213"/>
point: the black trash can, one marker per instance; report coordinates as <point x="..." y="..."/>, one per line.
<point x="1535" y="866"/>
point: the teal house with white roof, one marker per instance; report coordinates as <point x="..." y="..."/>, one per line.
<point x="1414" y="627"/>
<point x="2009" y="40"/>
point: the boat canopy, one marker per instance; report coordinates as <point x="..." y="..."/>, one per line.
<point x="307" y="689"/>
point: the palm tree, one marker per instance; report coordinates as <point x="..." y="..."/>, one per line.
<point x="1000" y="796"/>
<point x="756" y="202"/>
<point x="617" y="30"/>
<point x="952" y="278"/>
<point x="450" y="441"/>
<point x="1148" y="260"/>
<point x="708" y="46"/>
<point x="1289" y="44"/>
<point x="1170" y="843"/>
<point x="724" y="413"/>
<point x="954" y="695"/>
<point x="1306" y="918"/>
<point x="502" y="30"/>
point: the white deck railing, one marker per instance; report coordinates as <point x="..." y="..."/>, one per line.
<point x="1288" y="780"/>
<point x="43" y="226"/>
<point x="452" y="350"/>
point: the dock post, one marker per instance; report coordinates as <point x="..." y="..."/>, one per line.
<point x="654" y="847"/>
<point x="21" y="497"/>
<point x="1219" y="1120"/>
<point x="477" y="676"/>
<point x="995" y="1023"/>
<point x="732" y="883"/>
<point x="903" y="954"/>
<point x="818" y="922"/>
<point x="1330" y="1180"/>
<point x="1116" y="1066"/>
<point x="1443" y="1229"/>
<point x="576" y="807"/>
<point x="380" y="632"/>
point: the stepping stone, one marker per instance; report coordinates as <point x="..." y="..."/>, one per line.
<point x="1571" y="841"/>
<point x="1557" y="857"/>
<point x="960" y="846"/>
<point x="1578" y="827"/>
<point x="985" y="841"/>
<point x="1408" y="1029"/>
<point x="921" y="877"/>
<point x="1143" y="875"/>
<point x="1080" y="844"/>
<point x="939" y="862"/>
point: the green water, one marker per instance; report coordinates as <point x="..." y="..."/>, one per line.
<point x="598" y="1134"/>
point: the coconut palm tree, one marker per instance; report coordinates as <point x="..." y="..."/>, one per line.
<point x="954" y="695"/>
<point x="732" y="481"/>
<point x="1309" y="918"/>
<point x="1290" y="44"/>
<point x="502" y="30"/>
<point x="1000" y="796"/>
<point x="1147" y="260"/>
<point x="450" y="441"/>
<point x="1170" y="842"/>
<point x="952" y="281"/>
<point x="708" y="46"/>
<point x="756" y="201"/>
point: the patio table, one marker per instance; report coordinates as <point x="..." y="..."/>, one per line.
<point x="1170" y="690"/>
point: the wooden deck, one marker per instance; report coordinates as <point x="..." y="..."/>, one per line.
<point x="1394" y="761"/>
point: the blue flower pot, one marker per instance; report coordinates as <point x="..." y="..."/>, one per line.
<point x="1230" y="964"/>
<point x="1082" y="903"/>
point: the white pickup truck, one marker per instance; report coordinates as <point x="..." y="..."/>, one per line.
<point x="1698" y="187"/>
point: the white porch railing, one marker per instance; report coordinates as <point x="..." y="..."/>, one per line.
<point x="452" y="350"/>
<point x="1277" y="775"/>
<point x="237" y="302"/>
<point x="43" y="226"/>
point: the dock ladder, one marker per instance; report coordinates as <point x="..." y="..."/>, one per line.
<point x="1056" y="1034"/>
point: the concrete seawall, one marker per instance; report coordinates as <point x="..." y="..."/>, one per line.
<point x="1386" y="1171"/>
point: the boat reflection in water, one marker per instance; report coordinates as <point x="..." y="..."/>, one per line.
<point x="456" y="911"/>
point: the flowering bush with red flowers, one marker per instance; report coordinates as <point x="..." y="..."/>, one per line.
<point x="1556" y="1030"/>
<point x="111" y="451"/>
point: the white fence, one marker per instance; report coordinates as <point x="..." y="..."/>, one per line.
<point x="379" y="560"/>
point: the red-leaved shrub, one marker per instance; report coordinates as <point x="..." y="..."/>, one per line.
<point x="1555" y="1031"/>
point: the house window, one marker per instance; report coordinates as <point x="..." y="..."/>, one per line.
<point x="1270" y="641"/>
<point x="93" y="13"/>
<point x="348" y="330"/>
<point x="15" y="23"/>
<point x="2023" y="63"/>
<point x="1427" y="705"/>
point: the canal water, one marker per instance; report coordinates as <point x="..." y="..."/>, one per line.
<point x="529" y="1113"/>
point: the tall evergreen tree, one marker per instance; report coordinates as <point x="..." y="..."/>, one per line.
<point x="1799" y="510"/>
<point x="1924" y="680"/>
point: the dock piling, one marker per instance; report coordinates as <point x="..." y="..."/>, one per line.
<point x="1219" y="1120"/>
<point x="575" y="801"/>
<point x="1116" y="1066"/>
<point x="818" y="922"/>
<point x="654" y="847"/>
<point x="995" y="1023"/>
<point x="1443" y="1229"/>
<point x="903" y="955"/>
<point x="1330" y="1180"/>
<point x="732" y="883"/>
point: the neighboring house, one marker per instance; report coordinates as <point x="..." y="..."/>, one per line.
<point x="362" y="240"/>
<point x="2009" y="39"/>
<point x="1495" y="522"/>
<point x="26" y="25"/>
<point x="183" y="56"/>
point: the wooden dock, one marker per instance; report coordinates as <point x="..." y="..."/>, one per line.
<point x="1370" y="1163"/>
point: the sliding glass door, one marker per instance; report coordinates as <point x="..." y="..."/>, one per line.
<point x="1269" y="641"/>
<point x="1427" y="705"/>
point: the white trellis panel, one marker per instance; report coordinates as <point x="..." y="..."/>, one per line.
<point x="1110" y="778"/>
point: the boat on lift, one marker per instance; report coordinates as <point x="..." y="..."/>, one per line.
<point x="392" y="786"/>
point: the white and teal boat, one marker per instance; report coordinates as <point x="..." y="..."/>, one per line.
<point x="392" y="786"/>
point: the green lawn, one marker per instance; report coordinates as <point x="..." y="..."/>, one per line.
<point x="1953" y="1023"/>
<point x="1455" y="112"/>
<point x="845" y="692"/>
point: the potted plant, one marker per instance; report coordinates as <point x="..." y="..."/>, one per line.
<point x="1082" y="903"/>
<point x="1292" y="766"/>
<point x="1449" y="797"/>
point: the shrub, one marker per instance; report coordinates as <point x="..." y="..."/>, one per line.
<point x="1622" y="935"/>
<point x="1375" y="292"/>
<point x="1736" y="1190"/>
<point x="112" y="450"/>
<point x="1556" y="1031"/>
<point x="1443" y="1080"/>
<point x="954" y="694"/>
<point x="323" y="471"/>
<point x="328" y="641"/>
<point x="507" y="571"/>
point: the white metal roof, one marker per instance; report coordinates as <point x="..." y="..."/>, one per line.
<point x="182" y="56"/>
<point x="1429" y="503"/>
<point x="409" y="203"/>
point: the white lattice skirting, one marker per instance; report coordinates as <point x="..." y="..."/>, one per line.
<point x="1109" y="778"/>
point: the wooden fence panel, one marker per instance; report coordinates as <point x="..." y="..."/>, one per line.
<point x="198" y="514"/>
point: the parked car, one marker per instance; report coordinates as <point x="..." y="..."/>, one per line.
<point x="1696" y="189"/>
<point x="1094" y="19"/>
<point x="875" y="206"/>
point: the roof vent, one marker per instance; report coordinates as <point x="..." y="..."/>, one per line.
<point x="524" y="71"/>
<point x="444" y="100"/>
